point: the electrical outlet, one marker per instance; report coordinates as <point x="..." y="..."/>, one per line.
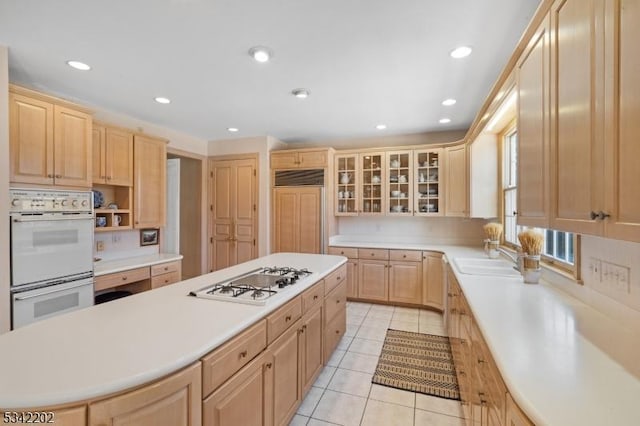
<point x="595" y="270"/>
<point x="115" y="238"/>
<point x="99" y="245"/>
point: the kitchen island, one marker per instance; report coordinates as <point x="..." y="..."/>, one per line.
<point x="114" y="347"/>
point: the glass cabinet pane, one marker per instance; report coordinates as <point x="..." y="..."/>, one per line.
<point x="427" y="183"/>
<point x="399" y="185"/>
<point x="372" y="183"/>
<point x="346" y="185"/>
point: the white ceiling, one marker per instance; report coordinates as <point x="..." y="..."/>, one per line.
<point x="365" y="61"/>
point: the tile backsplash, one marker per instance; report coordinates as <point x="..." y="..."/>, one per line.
<point x="121" y="244"/>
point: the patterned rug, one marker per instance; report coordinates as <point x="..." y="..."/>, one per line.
<point x="419" y="363"/>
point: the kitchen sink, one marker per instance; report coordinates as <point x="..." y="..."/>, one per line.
<point x="480" y="266"/>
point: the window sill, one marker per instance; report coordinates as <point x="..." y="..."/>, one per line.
<point x="549" y="266"/>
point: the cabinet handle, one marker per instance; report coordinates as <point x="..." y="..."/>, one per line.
<point x="166" y="268"/>
<point x="288" y="318"/>
<point x="337" y="331"/>
<point x="337" y="301"/>
<point x="315" y="297"/>
<point x="49" y="175"/>
<point x="373" y="254"/>
<point x="404" y="256"/>
<point x="108" y="177"/>
<point x="594" y="215"/>
<point x="481" y="361"/>
<point x="166" y="281"/>
<point x="339" y="278"/>
<point x="269" y="365"/>
<point x="602" y="215"/>
<point x="124" y="278"/>
<point x="58" y="176"/>
<point x="304" y="327"/>
<point x="243" y="354"/>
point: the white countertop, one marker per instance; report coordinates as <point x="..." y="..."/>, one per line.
<point x="104" y="267"/>
<point x="563" y="362"/>
<point x="131" y="341"/>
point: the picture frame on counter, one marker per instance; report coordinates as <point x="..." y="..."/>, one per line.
<point x="149" y="237"/>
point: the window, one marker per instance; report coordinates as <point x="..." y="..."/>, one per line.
<point x="510" y="185"/>
<point x="560" y="247"/>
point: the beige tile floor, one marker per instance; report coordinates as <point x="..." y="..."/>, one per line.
<point x="343" y="393"/>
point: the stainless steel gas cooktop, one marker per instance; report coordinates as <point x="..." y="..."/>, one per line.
<point x="255" y="287"/>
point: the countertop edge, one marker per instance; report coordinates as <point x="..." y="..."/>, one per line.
<point x="135" y="262"/>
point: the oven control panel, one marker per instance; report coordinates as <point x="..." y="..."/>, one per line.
<point x="49" y="200"/>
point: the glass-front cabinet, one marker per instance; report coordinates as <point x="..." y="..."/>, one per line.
<point x="399" y="183"/>
<point x="372" y="198"/>
<point x="347" y="179"/>
<point x="427" y="180"/>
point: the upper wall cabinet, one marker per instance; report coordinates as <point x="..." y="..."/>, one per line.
<point x="456" y="200"/>
<point x="300" y="159"/>
<point x="50" y="141"/>
<point x="428" y="176"/>
<point x="399" y="172"/>
<point x="112" y="156"/>
<point x="533" y="130"/>
<point x="372" y="181"/>
<point x="347" y="180"/>
<point x="150" y="157"/>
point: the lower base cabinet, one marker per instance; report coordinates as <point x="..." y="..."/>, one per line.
<point x="373" y="281"/>
<point x="352" y="279"/>
<point x="286" y="392"/>
<point x="405" y="282"/>
<point x="172" y="401"/>
<point x="311" y="354"/>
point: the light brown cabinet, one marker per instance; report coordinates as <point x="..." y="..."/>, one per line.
<point x="286" y="391"/>
<point x="427" y="180"/>
<point x="297" y="219"/>
<point x="456" y="172"/>
<point x="314" y="159"/>
<point x="432" y="280"/>
<point x="49" y="142"/>
<point x="533" y="130"/>
<point x="347" y="184"/>
<point x="141" y="279"/>
<point x="227" y="406"/>
<point x="173" y="401"/>
<point x="233" y="212"/>
<point x="311" y="355"/>
<point x="405" y="282"/>
<point x="150" y="181"/>
<point x="514" y="415"/>
<point x="373" y="281"/>
<point x="399" y="186"/>
<point x="112" y="155"/>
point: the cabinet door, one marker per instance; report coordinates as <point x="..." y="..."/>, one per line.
<point x="72" y="144"/>
<point x="352" y="278"/>
<point x="286" y="390"/>
<point x="227" y="406"/>
<point x="297" y="220"/>
<point x="150" y="157"/>
<point x="405" y="282"/>
<point x="428" y="200"/>
<point x="432" y="281"/>
<point x="245" y="201"/>
<point x="373" y="282"/>
<point x="399" y="173"/>
<point x="312" y="159"/>
<point x="623" y="149"/>
<point x="373" y="187"/>
<point x="515" y="416"/>
<point x="346" y="185"/>
<point x="31" y="140"/>
<point x="286" y="220"/>
<point x="284" y="160"/>
<point x="533" y="131"/>
<point x="119" y="157"/>
<point x="173" y="401"/>
<point x="310" y="220"/>
<point x="98" y="151"/>
<point x="311" y="347"/>
<point x="577" y="166"/>
<point x="456" y="182"/>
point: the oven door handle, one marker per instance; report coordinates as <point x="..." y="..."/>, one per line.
<point x="44" y="293"/>
<point x="50" y="218"/>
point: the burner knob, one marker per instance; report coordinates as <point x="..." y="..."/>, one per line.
<point x="64" y="203"/>
<point x="74" y="203"/>
<point x="15" y="202"/>
<point x="84" y="203"/>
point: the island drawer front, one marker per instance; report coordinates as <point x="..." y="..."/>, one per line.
<point x="164" y="268"/>
<point x="313" y="296"/>
<point x="344" y="251"/>
<point x="121" y="278"/>
<point x="165" y="279"/>
<point x="406" y="255"/>
<point x="376" y="254"/>
<point x="223" y="362"/>
<point x="335" y="302"/>
<point x="335" y="278"/>
<point x="283" y="318"/>
<point x="333" y="333"/>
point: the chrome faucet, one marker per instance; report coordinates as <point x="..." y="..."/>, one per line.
<point x="518" y="259"/>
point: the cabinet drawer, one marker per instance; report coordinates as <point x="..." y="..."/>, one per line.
<point x="165" y="279"/>
<point x="223" y="363"/>
<point x="407" y="255"/>
<point x="333" y="333"/>
<point x="121" y="278"/>
<point x="344" y="251"/>
<point x="335" y="302"/>
<point x="335" y="278"/>
<point x="283" y="318"/>
<point x="313" y="296"/>
<point x="377" y="254"/>
<point x="164" y="268"/>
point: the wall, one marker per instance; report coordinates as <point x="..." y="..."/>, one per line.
<point x="4" y="191"/>
<point x="122" y="244"/>
<point x="436" y="230"/>
<point x="385" y="141"/>
<point x="260" y="145"/>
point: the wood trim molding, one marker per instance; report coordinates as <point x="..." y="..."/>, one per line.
<point x="247" y="156"/>
<point x="183" y="153"/>
<point x="13" y="88"/>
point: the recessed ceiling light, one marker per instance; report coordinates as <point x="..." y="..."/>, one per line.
<point x="381" y="126"/>
<point x="449" y="102"/>
<point x="232" y="129"/>
<point x="444" y="120"/>
<point x="461" y="52"/>
<point x="300" y="93"/>
<point x="260" y="53"/>
<point x="79" y="65"/>
<point x="162" y="100"/>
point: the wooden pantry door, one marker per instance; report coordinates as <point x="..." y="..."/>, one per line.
<point x="233" y="212"/>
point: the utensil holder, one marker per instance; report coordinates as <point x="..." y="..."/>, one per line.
<point x="492" y="249"/>
<point x="531" y="271"/>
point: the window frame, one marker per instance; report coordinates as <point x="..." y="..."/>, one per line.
<point x="508" y="130"/>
